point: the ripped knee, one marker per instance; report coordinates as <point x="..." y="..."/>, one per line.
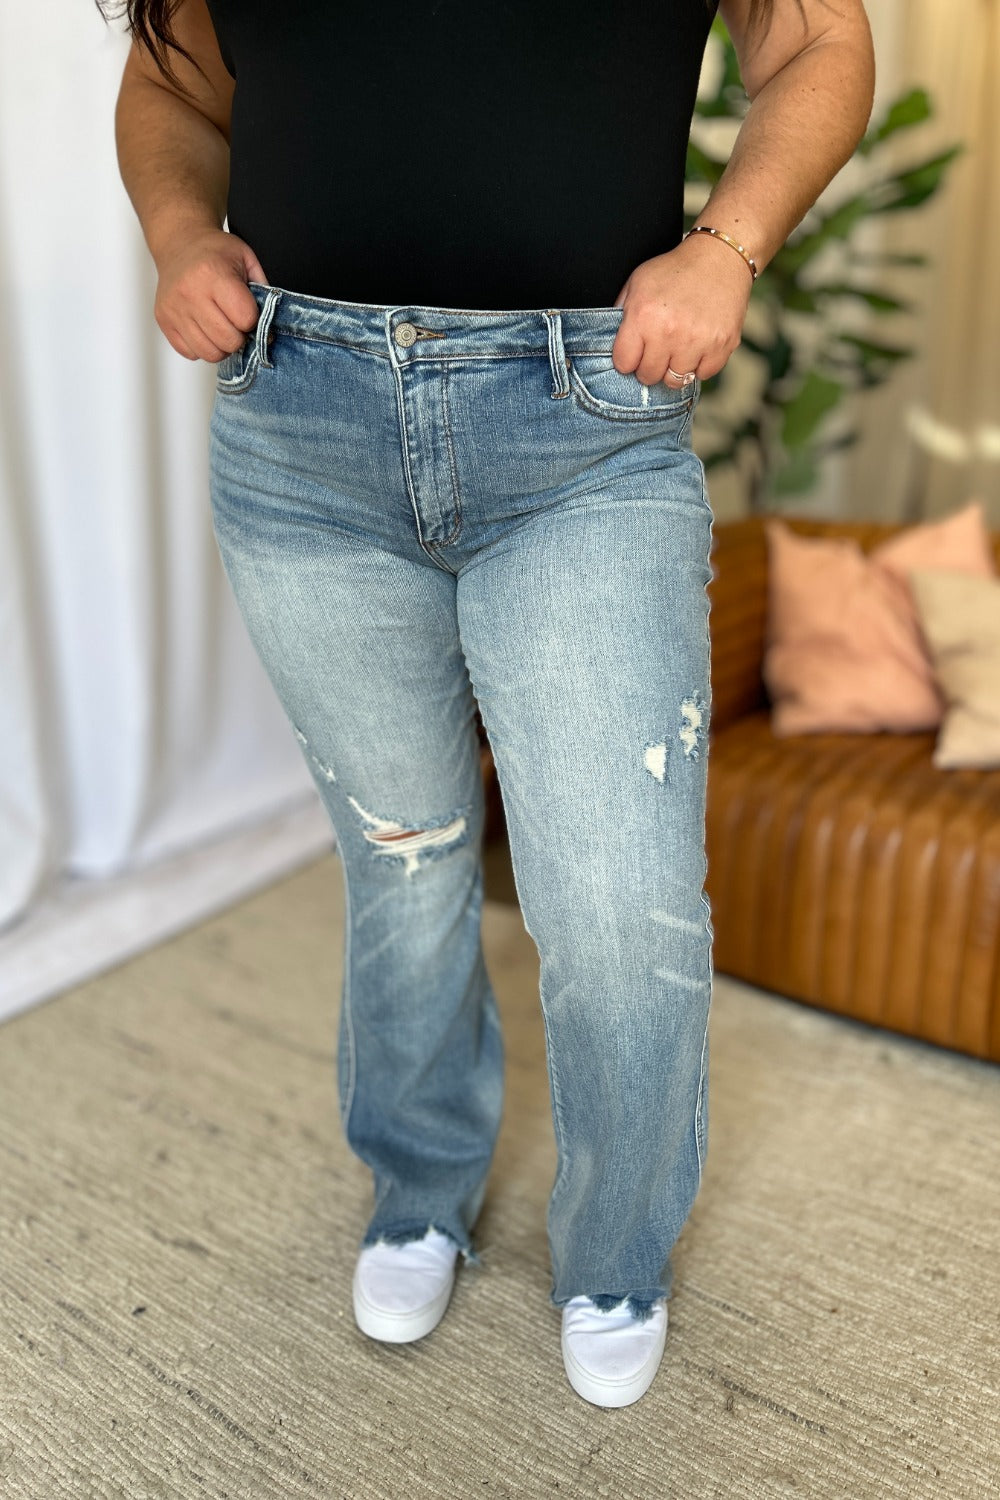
<point x="390" y="839"/>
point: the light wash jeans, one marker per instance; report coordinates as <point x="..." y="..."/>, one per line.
<point x="420" y="509"/>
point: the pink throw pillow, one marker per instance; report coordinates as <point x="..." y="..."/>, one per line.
<point x="844" y="650"/>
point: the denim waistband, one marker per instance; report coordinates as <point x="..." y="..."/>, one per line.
<point x="414" y="332"/>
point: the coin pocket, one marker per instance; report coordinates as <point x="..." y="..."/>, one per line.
<point x="603" y="390"/>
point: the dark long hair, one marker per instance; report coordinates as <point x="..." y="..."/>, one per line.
<point x="149" y="24"/>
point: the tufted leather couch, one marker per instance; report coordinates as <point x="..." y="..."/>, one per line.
<point x="844" y="870"/>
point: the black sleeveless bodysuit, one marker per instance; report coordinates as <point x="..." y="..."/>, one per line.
<point x="450" y="153"/>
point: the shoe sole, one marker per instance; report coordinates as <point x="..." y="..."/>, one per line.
<point x="603" y="1391"/>
<point x="400" y="1327"/>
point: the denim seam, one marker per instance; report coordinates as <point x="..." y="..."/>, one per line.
<point x="404" y="451"/>
<point x="439" y="562"/>
<point x="452" y="466"/>
<point x="557" y="1114"/>
<point x="699" y="1139"/>
<point x="348" y="1103"/>
<point x="706" y="903"/>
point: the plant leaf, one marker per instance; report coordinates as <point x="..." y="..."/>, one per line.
<point x="701" y="167"/>
<point x="914" y="186"/>
<point x="777" y="355"/>
<point x="800" y="299"/>
<point x="800" y="390"/>
<point x="845" y="440"/>
<point x="797" y="474"/>
<point x="837" y="225"/>
<point x="805" y="411"/>
<point x="720" y="456"/>
<point x="872" y="351"/>
<point x="878" y="301"/>
<point x="903" y="113"/>
<point x="888" y="258"/>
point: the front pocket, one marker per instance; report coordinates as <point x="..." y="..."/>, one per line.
<point x="238" y="371"/>
<point x="604" y="391"/>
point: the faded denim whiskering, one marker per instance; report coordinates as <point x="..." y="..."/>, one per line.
<point x="423" y="508"/>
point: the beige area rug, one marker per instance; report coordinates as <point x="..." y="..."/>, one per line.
<point x="179" y="1218"/>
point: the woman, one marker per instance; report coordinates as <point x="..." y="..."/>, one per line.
<point x="450" y="467"/>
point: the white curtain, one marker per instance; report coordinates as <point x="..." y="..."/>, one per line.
<point x="135" y="721"/>
<point x="932" y="434"/>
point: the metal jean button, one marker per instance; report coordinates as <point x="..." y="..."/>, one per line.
<point x="405" y="335"/>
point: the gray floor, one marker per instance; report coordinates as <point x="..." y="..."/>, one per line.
<point x="179" y="1217"/>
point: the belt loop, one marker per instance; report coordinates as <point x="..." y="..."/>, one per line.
<point x="390" y="342"/>
<point x="558" y="362"/>
<point x="264" y="324"/>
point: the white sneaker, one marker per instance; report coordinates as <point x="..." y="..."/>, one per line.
<point x="611" y="1357"/>
<point x="401" y="1291"/>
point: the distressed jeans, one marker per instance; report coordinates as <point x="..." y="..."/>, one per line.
<point x="422" y="509"/>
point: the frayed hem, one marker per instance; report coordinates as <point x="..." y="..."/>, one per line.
<point x="409" y="1233"/>
<point x="641" y="1308"/>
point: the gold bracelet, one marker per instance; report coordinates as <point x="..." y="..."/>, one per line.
<point x="727" y="240"/>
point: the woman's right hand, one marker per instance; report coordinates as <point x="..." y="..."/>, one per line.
<point x="203" y="305"/>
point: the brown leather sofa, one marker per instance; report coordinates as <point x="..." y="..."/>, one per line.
<point x="844" y="870"/>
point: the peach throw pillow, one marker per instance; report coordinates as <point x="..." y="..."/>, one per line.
<point x="844" y="650"/>
<point x="960" y="617"/>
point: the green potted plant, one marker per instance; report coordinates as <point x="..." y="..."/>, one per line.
<point x="802" y="325"/>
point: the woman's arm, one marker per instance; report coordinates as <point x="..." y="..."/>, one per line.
<point x="810" y="78"/>
<point x="173" y="155"/>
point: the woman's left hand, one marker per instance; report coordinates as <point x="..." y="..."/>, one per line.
<point x="684" y="313"/>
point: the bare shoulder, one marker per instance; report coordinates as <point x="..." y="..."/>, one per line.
<point x="209" y="91"/>
<point x="795" y="26"/>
